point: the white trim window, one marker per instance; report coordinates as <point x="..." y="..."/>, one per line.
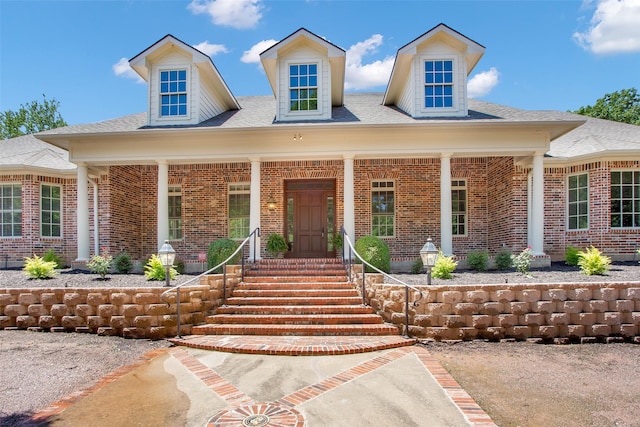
<point x="50" y="210"/>
<point x="625" y="199"/>
<point x="173" y="93"/>
<point x="303" y="87"/>
<point x="239" y="210"/>
<point x="10" y="210"/>
<point x="383" y="208"/>
<point x="578" y="202"/>
<point x="459" y="207"/>
<point x="175" y="213"/>
<point x="438" y="84"/>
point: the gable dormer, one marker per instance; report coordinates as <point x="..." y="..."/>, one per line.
<point x="184" y="85"/>
<point x="306" y="74"/>
<point x="429" y="76"/>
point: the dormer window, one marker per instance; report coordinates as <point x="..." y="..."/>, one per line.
<point x="438" y="84"/>
<point x="303" y="87"/>
<point x="173" y="93"/>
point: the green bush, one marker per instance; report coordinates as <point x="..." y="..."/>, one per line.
<point x="571" y="255"/>
<point x="445" y="265"/>
<point x="593" y="262"/>
<point x="417" y="266"/>
<point x="179" y="265"/>
<point x="503" y="260"/>
<point x="123" y="263"/>
<point x="219" y="251"/>
<point x="276" y="244"/>
<point x="51" y="256"/>
<point x="38" y="268"/>
<point x="154" y="270"/>
<point x="100" y="264"/>
<point x="522" y="261"/>
<point x="478" y="260"/>
<point x="374" y="251"/>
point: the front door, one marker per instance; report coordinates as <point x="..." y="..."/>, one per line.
<point x="310" y="218"/>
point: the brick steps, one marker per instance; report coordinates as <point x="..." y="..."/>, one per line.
<point x="294" y="293"/>
<point x="303" y="300"/>
<point x="294" y="319"/>
<point x="295" y="309"/>
<point x="311" y="330"/>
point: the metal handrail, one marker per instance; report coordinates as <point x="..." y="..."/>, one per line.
<point x="352" y="251"/>
<point x="255" y="234"/>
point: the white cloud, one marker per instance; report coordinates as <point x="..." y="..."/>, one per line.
<point x="240" y="14"/>
<point x="614" y="28"/>
<point x="210" y="49"/>
<point x="482" y="83"/>
<point x="364" y="76"/>
<point x="252" y="56"/>
<point x="122" y="69"/>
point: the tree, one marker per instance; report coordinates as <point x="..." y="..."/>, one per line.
<point x="622" y="106"/>
<point x="30" y="118"/>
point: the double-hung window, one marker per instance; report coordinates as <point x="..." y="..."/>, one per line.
<point x="239" y="210"/>
<point x="459" y="207"/>
<point x="383" y="208"/>
<point x="175" y="213"/>
<point x="625" y="199"/>
<point x="173" y="93"/>
<point x="578" y="202"/>
<point x="50" y="210"/>
<point x="438" y="84"/>
<point x="10" y="210"/>
<point x="303" y="87"/>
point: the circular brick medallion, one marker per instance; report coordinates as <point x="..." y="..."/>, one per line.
<point x="258" y="415"/>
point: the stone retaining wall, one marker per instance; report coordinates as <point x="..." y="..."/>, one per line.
<point x="519" y="311"/>
<point x="127" y="312"/>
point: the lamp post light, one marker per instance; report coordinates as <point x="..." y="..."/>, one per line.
<point x="167" y="255"/>
<point x="429" y="255"/>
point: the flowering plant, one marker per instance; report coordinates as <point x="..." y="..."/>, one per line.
<point x="522" y="261"/>
<point x="100" y="264"/>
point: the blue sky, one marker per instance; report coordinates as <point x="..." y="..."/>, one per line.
<point x="550" y="54"/>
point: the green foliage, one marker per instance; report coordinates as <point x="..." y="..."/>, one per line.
<point x="179" y="265"/>
<point x="374" y="251"/>
<point x="478" y="260"/>
<point x="219" y="250"/>
<point x="571" y="256"/>
<point x="522" y="261"/>
<point x="417" y="266"/>
<point x="621" y="106"/>
<point x="123" y="262"/>
<point x="31" y="118"/>
<point x="100" y="264"/>
<point x="445" y="265"/>
<point x="593" y="262"/>
<point x="503" y="260"/>
<point x="154" y="270"/>
<point x="276" y="244"/>
<point x="38" y="268"/>
<point x="51" y="256"/>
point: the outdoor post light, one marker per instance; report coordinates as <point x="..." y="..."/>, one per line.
<point x="167" y="255"/>
<point x="429" y="255"/>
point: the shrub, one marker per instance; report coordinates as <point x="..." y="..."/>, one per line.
<point x="522" y="261"/>
<point x="417" y="266"/>
<point x="478" y="260"/>
<point x="179" y="265"/>
<point x="154" y="270"/>
<point x="123" y="262"/>
<point x="51" y="256"/>
<point x="445" y="265"/>
<point x="38" y="268"/>
<point x="593" y="262"/>
<point x="503" y="260"/>
<point x="100" y="264"/>
<point x="219" y="250"/>
<point x="374" y="251"/>
<point x="276" y="244"/>
<point x="571" y="255"/>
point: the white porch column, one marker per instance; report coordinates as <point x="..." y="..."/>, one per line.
<point x="163" y="202"/>
<point x="536" y="236"/>
<point x="254" y="208"/>
<point x="349" y="199"/>
<point x="83" y="213"/>
<point x="446" y="233"/>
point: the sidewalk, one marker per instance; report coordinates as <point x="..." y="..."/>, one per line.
<point x="184" y="386"/>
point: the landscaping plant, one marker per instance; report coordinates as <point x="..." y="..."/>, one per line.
<point x="154" y="270"/>
<point x="374" y="251"/>
<point x="38" y="268"/>
<point x="522" y="261"/>
<point x="571" y="256"/>
<point x="123" y="263"/>
<point x="52" y="256"/>
<point x="593" y="262"/>
<point x="445" y="265"/>
<point x="276" y="245"/>
<point x="219" y="250"/>
<point x="478" y="260"/>
<point x="100" y="264"/>
<point x="417" y="266"/>
<point x="503" y="260"/>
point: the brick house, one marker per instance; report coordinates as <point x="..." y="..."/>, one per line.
<point x="419" y="160"/>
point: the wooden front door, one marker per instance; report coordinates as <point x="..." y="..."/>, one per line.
<point x="310" y="218"/>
